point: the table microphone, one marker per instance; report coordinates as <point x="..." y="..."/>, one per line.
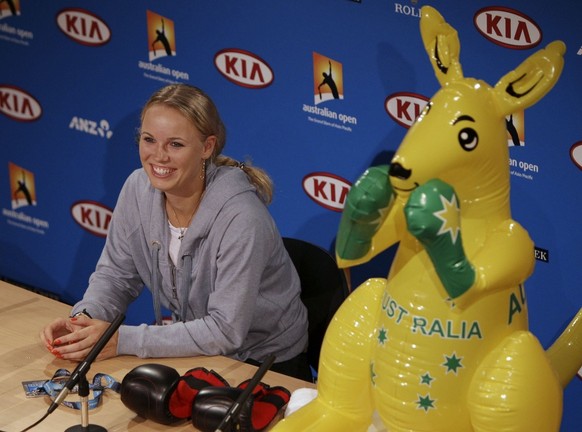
<point x="83" y="367"/>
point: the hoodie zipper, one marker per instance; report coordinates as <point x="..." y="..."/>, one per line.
<point x="174" y="290"/>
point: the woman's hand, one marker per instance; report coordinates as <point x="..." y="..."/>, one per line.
<point x="73" y="338"/>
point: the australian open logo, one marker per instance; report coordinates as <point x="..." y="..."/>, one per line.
<point x="8" y="32"/>
<point x="515" y="126"/>
<point x="328" y="90"/>
<point x="514" y="123"/>
<point x="22" y="197"/>
<point x="22" y="186"/>
<point x="9" y="8"/>
<point x="161" y="43"/>
<point x="328" y="79"/>
<point x="161" y="36"/>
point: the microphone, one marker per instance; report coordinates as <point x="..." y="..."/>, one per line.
<point x="83" y="367"/>
<point x="234" y="409"/>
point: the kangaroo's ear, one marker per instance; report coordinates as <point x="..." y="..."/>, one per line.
<point x="531" y="80"/>
<point x="442" y="45"/>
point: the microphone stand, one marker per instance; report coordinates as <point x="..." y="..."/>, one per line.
<point x="79" y="377"/>
<point x="83" y="387"/>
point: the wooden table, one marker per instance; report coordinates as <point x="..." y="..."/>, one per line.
<point x="23" y="358"/>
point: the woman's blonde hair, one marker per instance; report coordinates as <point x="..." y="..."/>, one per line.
<point x="197" y="107"/>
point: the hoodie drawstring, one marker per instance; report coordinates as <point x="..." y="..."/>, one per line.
<point x="156" y="246"/>
<point x="187" y="283"/>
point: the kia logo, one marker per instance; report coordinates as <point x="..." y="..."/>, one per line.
<point x="243" y="68"/>
<point x="83" y="27"/>
<point x="92" y="216"/>
<point x="327" y="190"/>
<point x="507" y="27"/>
<point x="576" y="154"/>
<point x="18" y="104"/>
<point x="404" y="107"/>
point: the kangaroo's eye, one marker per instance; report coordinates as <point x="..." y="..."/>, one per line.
<point x="468" y="139"/>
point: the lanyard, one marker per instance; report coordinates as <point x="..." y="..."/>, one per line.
<point x="100" y="383"/>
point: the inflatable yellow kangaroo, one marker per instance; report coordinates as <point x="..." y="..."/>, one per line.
<point x="443" y="344"/>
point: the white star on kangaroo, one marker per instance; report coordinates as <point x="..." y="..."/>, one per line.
<point x="450" y="217"/>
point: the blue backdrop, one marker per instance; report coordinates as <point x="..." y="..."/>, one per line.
<point x="74" y="75"/>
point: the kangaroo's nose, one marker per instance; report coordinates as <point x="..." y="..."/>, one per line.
<point x="398" y="171"/>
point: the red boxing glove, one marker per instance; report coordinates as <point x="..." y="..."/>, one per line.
<point x="158" y="392"/>
<point x="212" y="404"/>
<point x="267" y="403"/>
<point x="180" y="403"/>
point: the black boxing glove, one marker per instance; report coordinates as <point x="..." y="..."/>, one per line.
<point x="146" y="390"/>
<point x="211" y="405"/>
<point x="267" y="402"/>
<point x="159" y="393"/>
<point x="192" y="382"/>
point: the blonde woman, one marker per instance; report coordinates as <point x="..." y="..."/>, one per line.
<point x="192" y="226"/>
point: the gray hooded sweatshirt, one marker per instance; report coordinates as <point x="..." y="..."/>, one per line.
<point x="233" y="292"/>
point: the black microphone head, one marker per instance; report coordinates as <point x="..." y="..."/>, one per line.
<point x="146" y="390"/>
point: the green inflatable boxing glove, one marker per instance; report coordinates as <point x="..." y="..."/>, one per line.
<point x="432" y="216"/>
<point x="363" y="212"/>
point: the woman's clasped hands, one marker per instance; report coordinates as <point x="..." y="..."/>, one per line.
<point x="72" y="338"/>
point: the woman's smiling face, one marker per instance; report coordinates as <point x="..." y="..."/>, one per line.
<point x="172" y="150"/>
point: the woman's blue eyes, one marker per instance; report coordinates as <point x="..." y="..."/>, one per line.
<point x="151" y="140"/>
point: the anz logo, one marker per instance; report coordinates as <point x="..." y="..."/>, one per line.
<point x="91" y="127"/>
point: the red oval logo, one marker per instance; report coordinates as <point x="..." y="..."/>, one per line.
<point x="327" y="190"/>
<point x="576" y="154"/>
<point x="83" y="27"/>
<point x="507" y="27"/>
<point x="92" y="216"/>
<point x="18" y="104"/>
<point x="243" y="68"/>
<point x="405" y="107"/>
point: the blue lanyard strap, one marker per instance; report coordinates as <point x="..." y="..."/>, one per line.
<point x="100" y="383"/>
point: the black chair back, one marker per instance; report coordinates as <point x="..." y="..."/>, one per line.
<point x="323" y="289"/>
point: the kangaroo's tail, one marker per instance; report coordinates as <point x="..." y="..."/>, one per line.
<point x="566" y="352"/>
